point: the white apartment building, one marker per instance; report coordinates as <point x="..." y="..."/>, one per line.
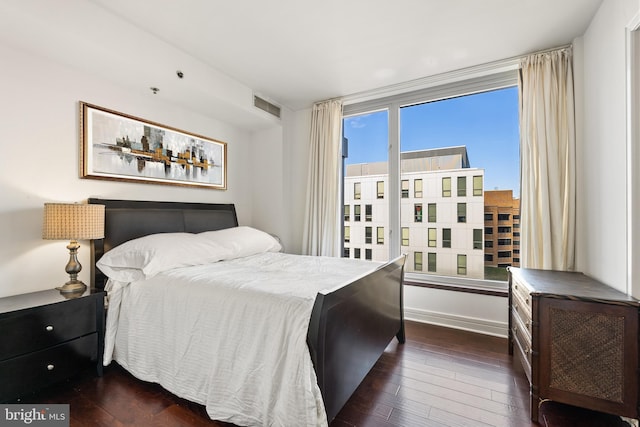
<point x="441" y="212"/>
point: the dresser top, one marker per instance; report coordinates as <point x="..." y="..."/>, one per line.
<point x="570" y="285"/>
<point x="38" y="299"/>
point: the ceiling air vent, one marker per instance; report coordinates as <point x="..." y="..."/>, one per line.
<point x="264" y="105"/>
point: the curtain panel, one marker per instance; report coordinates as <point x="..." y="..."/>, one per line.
<point x="322" y="219"/>
<point x="547" y="133"/>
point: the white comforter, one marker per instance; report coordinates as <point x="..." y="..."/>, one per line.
<point x="229" y="335"/>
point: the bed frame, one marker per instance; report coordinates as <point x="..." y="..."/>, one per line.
<point x="349" y="328"/>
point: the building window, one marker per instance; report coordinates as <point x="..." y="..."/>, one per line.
<point x="462" y="264"/>
<point x="503" y="217"/>
<point x="504" y="229"/>
<point x="516" y="234"/>
<point x="356" y="212"/>
<point x="446" y="187"/>
<point x="462" y="212"/>
<point x="405" y="188"/>
<point x="477" y="185"/>
<point x="356" y="253"/>
<point x="488" y="243"/>
<point x="431" y="262"/>
<point x="477" y="238"/>
<point x="380" y="187"/>
<point x="405" y="236"/>
<point x="357" y="190"/>
<point x="488" y="257"/>
<point x="417" y="261"/>
<point x="488" y="217"/>
<point x="417" y="212"/>
<point x="431" y="212"/>
<point x="367" y="234"/>
<point x="380" y="235"/>
<point x="368" y="254"/>
<point x="516" y="217"/>
<point x="347" y="213"/>
<point x="488" y="230"/>
<point x="462" y="186"/>
<point x="345" y="253"/>
<point x="504" y="254"/>
<point x="432" y="237"/>
<point x="347" y="234"/>
<point x="417" y="188"/>
<point x="446" y="237"/>
<point x="504" y="242"/>
<point x="516" y="225"/>
<point x="368" y="213"/>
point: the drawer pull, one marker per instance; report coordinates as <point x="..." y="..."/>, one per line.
<point x="50" y="367"/>
<point x="49" y="328"/>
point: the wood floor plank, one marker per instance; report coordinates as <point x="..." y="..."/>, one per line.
<point x="440" y="378"/>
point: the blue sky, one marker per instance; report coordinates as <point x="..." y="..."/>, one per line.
<point x="487" y="123"/>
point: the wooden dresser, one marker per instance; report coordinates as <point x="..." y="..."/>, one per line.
<point x="47" y="337"/>
<point x="577" y="340"/>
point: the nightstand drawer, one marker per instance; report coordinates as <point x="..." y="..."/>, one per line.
<point x="31" y="330"/>
<point x="21" y="375"/>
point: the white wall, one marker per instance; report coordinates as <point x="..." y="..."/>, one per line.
<point x="601" y="144"/>
<point x="40" y="157"/>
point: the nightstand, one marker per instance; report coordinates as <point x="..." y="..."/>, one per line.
<point x="47" y="337"/>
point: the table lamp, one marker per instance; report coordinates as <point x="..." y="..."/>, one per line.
<point x="73" y="221"/>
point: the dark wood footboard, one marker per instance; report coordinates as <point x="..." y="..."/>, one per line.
<point x="351" y="327"/>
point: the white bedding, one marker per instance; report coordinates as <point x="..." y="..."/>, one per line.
<point x="230" y="335"/>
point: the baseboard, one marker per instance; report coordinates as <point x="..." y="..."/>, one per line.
<point x="472" y="324"/>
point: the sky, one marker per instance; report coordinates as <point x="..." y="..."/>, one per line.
<point x="486" y="123"/>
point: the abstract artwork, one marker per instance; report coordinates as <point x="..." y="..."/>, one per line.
<point x="117" y="146"/>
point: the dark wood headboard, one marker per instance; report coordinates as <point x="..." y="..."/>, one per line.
<point x="129" y="219"/>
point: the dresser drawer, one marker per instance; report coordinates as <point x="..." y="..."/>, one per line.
<point x="31" y="330"/>
<point x="521" y="298"/>
<point x="522" y="344"/>
<point x="21" y="375"/>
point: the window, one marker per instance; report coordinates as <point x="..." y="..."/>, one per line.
<point x="446" y="187"/>
<point x="504" y="242"/>
<point x="347" y="213"/>
<point x="462" y="212"/>
<point x="431" y="212"/>
<point x="347" y="234"/>
<point x="516" y="217"/>
<point x="504" y="254"/>
<point x="368" y="254"/>
<point x="477" y="185"/>
<point x="417" y="212"/>
<point x="431" y="262"/>
<point x="356" y="212"/>
<point x="516" y="225"/>
<point x="432" y="237"/>
<point x="357" y="190"/>
<point x="367" y="234"/>
<point x="380" y="235"/>
<point x="488" y="217"/>
<point x="446" y="237"/>
<point x="462" y="264"/>
<point x="380" y="187"/>
<point x="488" y="230"/>
<point x="488" y="257"/>
<point x="488" y="243"/>
<point x="503" y="217"/>
<point x="418" y="148"/>
<point x="477" y="238"/>
<point x="504" y="229"/>
<point x="356" y="253"/>
<point x="417" y="188"/>
<point x="405" y="236"/>
<point x="462" y="186"/>
<point x="368" y="213"/>
<point x="417" y="261"/>
<point x="405" y="188"/>
<point x="345" y="253"/>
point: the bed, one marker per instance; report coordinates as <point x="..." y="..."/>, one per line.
<point x="349" y="324"/>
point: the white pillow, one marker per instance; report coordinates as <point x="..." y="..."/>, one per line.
<point x="243" y="241"/>
<point x="147" y="256"/>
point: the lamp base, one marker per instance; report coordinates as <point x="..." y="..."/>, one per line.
<point x="72" y="286"/>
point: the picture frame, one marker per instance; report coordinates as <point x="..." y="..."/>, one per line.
<point x="121" y="147"/>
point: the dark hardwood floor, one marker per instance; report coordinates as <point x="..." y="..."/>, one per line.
<point x="440" y="377"/>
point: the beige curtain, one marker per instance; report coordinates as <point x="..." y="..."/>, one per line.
<point x="547" y="133"/>
<point x="322" y="226"/>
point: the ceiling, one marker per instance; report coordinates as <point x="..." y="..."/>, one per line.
<point x="292" y="52"/>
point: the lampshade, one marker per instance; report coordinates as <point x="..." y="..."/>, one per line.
<point x="73" y="221"/>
